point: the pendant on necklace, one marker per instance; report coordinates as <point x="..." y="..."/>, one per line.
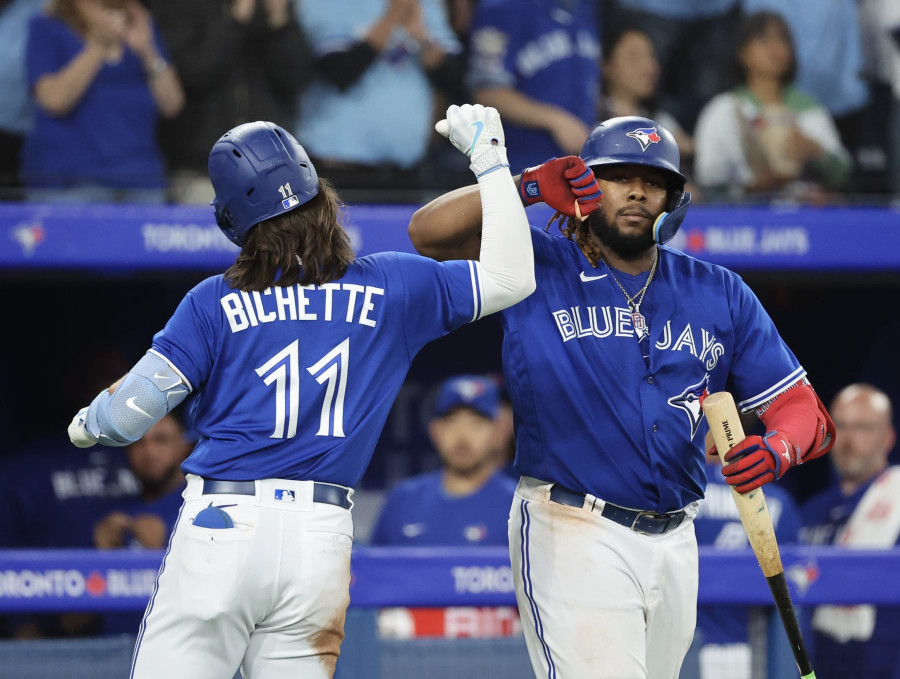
<point x="639" y="323"/>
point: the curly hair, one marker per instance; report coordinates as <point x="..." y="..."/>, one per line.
<point x="306" y="245"/>
<point x="578" y="231"/>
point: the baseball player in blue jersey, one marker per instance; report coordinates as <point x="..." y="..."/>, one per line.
<point x="606" y="365"/>
<point x="292" y="360"/>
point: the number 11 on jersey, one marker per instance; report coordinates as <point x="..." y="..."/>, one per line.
<point x="284" y="370"/>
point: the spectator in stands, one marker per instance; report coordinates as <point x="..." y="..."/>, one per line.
<point x="50" y="498"/>
<point x="16" y="114"/>
<point x="366" y="119"/>
<point x="724" y="631"/>
<point x="538" y="63"/>
<point x="630" y="78"/>
<point x="239" y="60"/>
<point x="467" y="501"/>
<point x="693" y="39"/>
<point x="829" y="57"/>
<point x="147" y="520"/>
<point x="860" y="510"/>
<point x="764" y="135"/>
<point x="100" y="78"/>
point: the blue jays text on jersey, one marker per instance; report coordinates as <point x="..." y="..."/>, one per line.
<point x="308" y="400"/>
<point x="610" y="424"/>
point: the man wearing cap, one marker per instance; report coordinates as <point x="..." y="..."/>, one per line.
<point x="466" y="502"/>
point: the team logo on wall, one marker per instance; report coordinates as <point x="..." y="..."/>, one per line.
<point x="645" y="136"/>
<point x="28" y="235"/>
<point x="689" y="402"/>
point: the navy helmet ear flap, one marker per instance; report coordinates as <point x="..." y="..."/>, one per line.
<point x="667" y="224"/>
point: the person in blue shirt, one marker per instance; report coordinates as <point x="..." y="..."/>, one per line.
<point x="466" y="502"/>
<point x="860" y="509"/>
<point x="146" y="520"/>
<point x="100" y="77"/>
<point x="538" y="63"/>
<point x="292" y="359"/>
<point x="724" y="630"/>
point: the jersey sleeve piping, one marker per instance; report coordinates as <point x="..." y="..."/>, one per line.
<point x="477" y="290"/>
<point x="773" y="391"/>
<point x="173" y="367"/>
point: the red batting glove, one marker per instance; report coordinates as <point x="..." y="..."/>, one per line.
<point x="561" y="182"/>
<point x="759" y="459"/>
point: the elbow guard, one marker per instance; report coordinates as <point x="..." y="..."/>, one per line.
<point x="147" y="393"/>
<point x="800" y="415"/>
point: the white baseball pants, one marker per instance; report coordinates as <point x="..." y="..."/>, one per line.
<point x="268" y="595"/>
<point x="598" y="600"/>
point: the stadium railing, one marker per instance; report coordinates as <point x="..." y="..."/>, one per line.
<point x="85" y="580"/>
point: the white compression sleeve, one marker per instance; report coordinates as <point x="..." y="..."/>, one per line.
<point x="506" y="262"/>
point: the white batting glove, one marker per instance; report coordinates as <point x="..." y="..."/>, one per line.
<point x="78" y="433"/>
<point x="477" y="132"/>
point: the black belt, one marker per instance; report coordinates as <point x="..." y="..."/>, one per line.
<point x="322" y="492"/>
<point x="640" y="522"/>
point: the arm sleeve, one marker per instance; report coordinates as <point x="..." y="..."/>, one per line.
<point x="344" y="67"/>
<point x="189" y="342"/>
<point x="507" y="256"/>
<point x="460" y="291"/>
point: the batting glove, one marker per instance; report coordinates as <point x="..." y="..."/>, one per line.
<point x="477" y="132"/>
<point x="561" y="182"/>
<point x="759" y="459"/>
<point x="78" y="433"/>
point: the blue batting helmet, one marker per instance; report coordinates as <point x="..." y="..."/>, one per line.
<point x="632" y="140"/>
<point x="258" y="171"/>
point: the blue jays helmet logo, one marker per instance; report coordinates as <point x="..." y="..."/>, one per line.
<point x="689" y="401"/>
<point x="645" y="136"/>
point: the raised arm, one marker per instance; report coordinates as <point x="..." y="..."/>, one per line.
<point x="449" y="227"/>
<point x="506" y="269"/>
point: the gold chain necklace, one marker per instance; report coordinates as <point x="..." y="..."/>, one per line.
<point x="634" y="301"/>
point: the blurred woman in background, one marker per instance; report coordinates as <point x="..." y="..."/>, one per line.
<point x="630" y="84"/>
<point x="100" y="77"/>
<point x="764" y="135"/>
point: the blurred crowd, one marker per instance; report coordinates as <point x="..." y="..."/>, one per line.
<point x="121" y="100"/>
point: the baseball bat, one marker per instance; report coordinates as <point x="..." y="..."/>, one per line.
<point x="727" y="432"/>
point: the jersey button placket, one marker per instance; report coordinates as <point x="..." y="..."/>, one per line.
<point x="650" y="380"/>
<point x="654" y="428"/>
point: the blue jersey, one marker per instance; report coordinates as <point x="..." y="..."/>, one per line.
<point x="546" y="50"/>
<point x="296" y="382"/>
<point x="590" y="414"/>
<point x="718" y="524"/>
<point x="420" y="512"/>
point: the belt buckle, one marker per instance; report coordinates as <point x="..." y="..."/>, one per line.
<point x="634" y="527"/>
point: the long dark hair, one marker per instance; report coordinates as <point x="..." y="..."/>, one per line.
<point x="754" y="26"/>
<point x="306" y="245"/>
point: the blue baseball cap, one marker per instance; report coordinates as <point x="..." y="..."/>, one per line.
<point x="468" y="391"/>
